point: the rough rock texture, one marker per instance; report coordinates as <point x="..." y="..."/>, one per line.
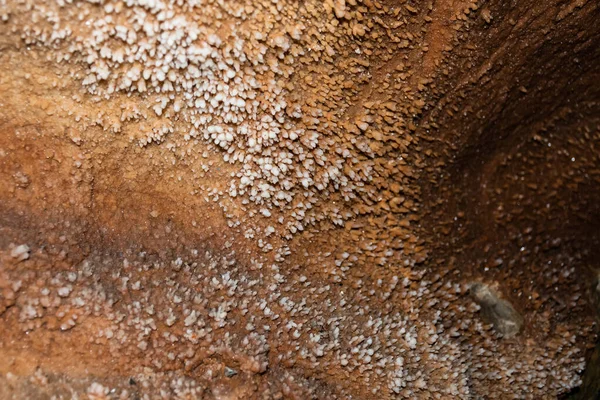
<point x="282" y="199"/>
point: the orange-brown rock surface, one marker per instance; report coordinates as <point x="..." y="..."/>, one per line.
<point x="229" y="199"/>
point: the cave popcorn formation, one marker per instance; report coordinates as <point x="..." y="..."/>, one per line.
<point x="310" y="109"/>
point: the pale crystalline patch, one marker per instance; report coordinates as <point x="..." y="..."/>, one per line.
<point x="20" y="252"/>
<point x="226" y="78"/>
<point x="97" y="392"/>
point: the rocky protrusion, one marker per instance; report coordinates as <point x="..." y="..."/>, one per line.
<point x="499" y="312"/>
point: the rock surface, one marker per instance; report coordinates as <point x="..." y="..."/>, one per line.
<point x="299" y="192"/>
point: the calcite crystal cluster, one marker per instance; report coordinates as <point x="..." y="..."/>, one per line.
<point x="230" y="199"/>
